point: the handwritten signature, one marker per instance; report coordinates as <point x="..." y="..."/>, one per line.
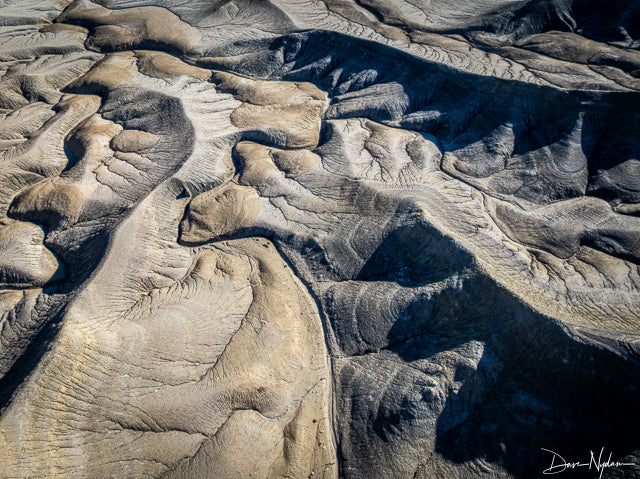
<point x="559" y="464"/>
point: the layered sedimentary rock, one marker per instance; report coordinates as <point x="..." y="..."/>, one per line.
<point x="318" y="239"/>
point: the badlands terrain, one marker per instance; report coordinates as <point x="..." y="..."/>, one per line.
<point x="302" y="238"/>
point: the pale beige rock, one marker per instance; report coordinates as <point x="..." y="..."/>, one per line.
<point x="51" y="199"/>
<point x="133" y="141"/>
<point x="221" y="212"/>
<point x="131" y="27"/>
<point x="257" y="167"/>
<point x="163" y="65"/>
<point x="189" y="370"/>
<point x="268" y="92"/>
<point x="34" y="133"/>
<point x="111" y="72"/>
<point x="289" y="114"/>
<point x="305" y="239"/>
<point x="575" y="48"/>
<point x="24" y="260"/>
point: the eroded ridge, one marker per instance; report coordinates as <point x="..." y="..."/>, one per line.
<point x="317" y="239"/>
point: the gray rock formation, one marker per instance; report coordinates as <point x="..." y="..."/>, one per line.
<point x="358" y="239"/>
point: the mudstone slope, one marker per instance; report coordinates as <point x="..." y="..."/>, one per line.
<point x="301" y="238"/>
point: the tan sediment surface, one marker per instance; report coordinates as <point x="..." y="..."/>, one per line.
<point x="277" y="239"/>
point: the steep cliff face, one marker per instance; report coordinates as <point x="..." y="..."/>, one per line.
<point x="359" y="239"/>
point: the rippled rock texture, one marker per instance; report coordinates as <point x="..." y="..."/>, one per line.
<point x="300" y="238"/>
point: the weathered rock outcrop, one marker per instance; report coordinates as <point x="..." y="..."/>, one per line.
<point x="359" y="239"/>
